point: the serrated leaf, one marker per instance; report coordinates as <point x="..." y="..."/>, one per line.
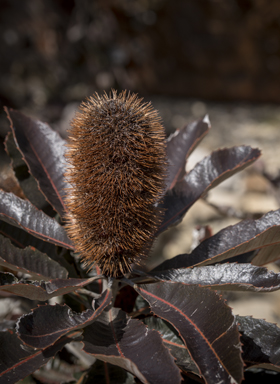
<point x="22" y="239"/>
<point x="26" y="181"/>
<point x="47" y="323"/>
<point x="231" y="241"/>
<point x="207" y="174"/>
<point x="235" y="277"/>
<point x="21" y="213"/>
<point x="40" y="290"/>
<point x="127" y="343"/>
<point x="29" y="260"/>
<point x="205" y="324"/>
<point x="243" y="258"/>
<point x="180" y="145"/>
<point x="17" y="363"/>
<point x="267" y="255"/>
<point x="173" y="342"/>
<point x="43" y="151"/>
<point x="7" y="325"/>
<point x="261" y="342"/>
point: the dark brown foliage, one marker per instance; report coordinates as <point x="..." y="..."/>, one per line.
<point x="117" y="162"/>
<point x="192" y="335"/>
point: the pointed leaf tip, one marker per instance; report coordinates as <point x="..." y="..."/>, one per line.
<point x="207" y="174"/>
<point x="180" y="145"/>
<point x="206" y="120"/>
<point x="43" y="151"/>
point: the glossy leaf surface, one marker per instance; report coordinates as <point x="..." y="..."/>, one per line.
<point x="23" y="239"/>
<point x="127" y="343"/>
<point x="17" y="363"/>
<point x="34" y="331"/>
<point x="29" y="260"/>
<point x="43" y="150"/>
<point x="40" y="290"/>
<point x="235" y="277"/>
<point x="173" y="342"/>
<point x="23" y="214"/>
<point x="180" y="145"/>
<point x="207" y="174"/>
<point x="261" y="341"/>
<point x="205" y="324"/>
<point x="26" y="181"/>
<point x="234" y="240"/>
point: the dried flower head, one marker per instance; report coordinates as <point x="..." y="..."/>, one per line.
<point x="117" y="162"/>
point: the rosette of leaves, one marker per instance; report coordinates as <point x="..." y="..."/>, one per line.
<point x="169" y="325"/>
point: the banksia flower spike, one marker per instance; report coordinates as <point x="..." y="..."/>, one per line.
<point x="117" y="166"/>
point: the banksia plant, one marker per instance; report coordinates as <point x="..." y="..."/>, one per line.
<point x="124" y="186"/>
<point x="117" y="159"/>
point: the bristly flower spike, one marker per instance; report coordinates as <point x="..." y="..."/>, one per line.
<point x="117" y="168"/>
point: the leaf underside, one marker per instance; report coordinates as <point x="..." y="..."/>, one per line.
<point x="246" y="236"/>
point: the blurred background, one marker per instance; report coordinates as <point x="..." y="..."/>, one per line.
<point x="60" y="51"/>
<point x="189" y="57"/>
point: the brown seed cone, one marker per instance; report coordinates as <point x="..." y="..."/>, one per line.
<point x="117" y="165"/>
